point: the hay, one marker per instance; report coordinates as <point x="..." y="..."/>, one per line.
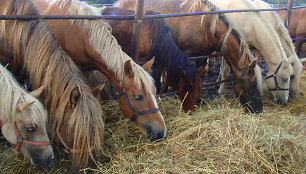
<point x="219" y="138"/>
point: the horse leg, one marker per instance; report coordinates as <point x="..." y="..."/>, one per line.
<point x="224" y="74"/>
<point x="156" y="74"/>
<point x="298" y="46"/>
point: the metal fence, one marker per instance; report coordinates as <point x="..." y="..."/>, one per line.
<point x="139" y="16"/>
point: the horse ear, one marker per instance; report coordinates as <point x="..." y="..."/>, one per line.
<point x="22" y="105"/>
<point x="128" y="69"/>
<point x="245" y="70"/>
<point x="302" y="60"/>
<point x="147" y="66"/>
<point x="182" y="73"/>
<point x="253" y="64"/>
<point x="97" y="90"/>
<point x="75" y="97"/>
<point x="204" y="69"/>
<point x="37" y="92"/>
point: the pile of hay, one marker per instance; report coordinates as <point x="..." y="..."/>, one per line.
<point x="219" y="138"/>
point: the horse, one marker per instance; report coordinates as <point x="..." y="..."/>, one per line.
<point x="90" y="43"/>
<point x="274" y="20"/>
<point x="265" y="41"/>
<point x="207" y="34"/>
<point x="74" y="113"/>
<point x="23" y="120"/>
<point x="156" y="40"/>
<point x="297" y="26"/>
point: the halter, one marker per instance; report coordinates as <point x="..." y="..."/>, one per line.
<point x="275" y="80"/>
<point x="136" y="113"/>
<point x="21" y="139"/>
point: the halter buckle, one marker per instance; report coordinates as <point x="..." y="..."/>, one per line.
<point x="20" y="139"/>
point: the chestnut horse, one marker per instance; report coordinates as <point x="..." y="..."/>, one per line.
<point x="198" y="35"/>
<point x="274" y="20"/>
<point x="264" y="39"/>
<point x="156" y="40"/>
<point x="31" y="48"/>
<point x="90" y="43"/>
<point x="297" y="26"/>
<point x="23" y="120"/>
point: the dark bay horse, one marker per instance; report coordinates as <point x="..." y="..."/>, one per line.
<point x="199" y="35"/>
<point x="74" y="113"/>
<point x="297" y="26"/>
<point x="90" y="43"/>
<point x="156" y="40"/>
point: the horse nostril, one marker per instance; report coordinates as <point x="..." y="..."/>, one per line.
<point x="50" y="161"/>
<point x="160" y="135"/>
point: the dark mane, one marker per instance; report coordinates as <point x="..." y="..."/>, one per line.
<point x="168" y="56"/>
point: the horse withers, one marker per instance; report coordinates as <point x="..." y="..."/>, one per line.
<point x="156" y="40"/>
<point x="23" y="120"/>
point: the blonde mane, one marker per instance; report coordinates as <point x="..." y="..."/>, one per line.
<point x="244" y="52"/>
<point x="35" y="48"/>
<point x="11" y="93"/>
<point x="105" y="44"/>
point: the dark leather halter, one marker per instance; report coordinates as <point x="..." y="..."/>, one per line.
<point x="21" y="139"/>
<point x="136" y="113"/>
<point x="275" y="80"/>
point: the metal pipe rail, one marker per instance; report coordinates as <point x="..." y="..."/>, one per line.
<point x="131" y="17"/>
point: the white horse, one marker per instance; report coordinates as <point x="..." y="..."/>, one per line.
<point x="276" y="23"/>
<point x="273" y="18"/>
<point x="23" y="120"/>
<point x="262" y="36"/>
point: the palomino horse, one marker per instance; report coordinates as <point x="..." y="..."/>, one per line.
<point x="261" y="35"/>
<point x="199" y="35"/>
<point x="297" y="26"/>
<point x="156" y="40"/>
<point x="274" y="20"/>
<point x="23" y="120"/>
<point x="90" y="43"/>
<point x="75" y="114"/>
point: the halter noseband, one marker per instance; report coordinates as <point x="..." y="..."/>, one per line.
<point x="136" y="113"/>
<point x="21" y="139"/>
<point x="275" y="80"/>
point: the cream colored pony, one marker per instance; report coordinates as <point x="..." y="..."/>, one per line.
<point x="263" y="37"/>
<point x="23" y="120"/>
<point x="276" y="23"/>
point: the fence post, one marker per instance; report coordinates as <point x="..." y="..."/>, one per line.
<point x="137" y="29"/>
<point x="289" y="11"/>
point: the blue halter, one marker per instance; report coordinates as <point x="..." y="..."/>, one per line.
<point x="133" y="109"/>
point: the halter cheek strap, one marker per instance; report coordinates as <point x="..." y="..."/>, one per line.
<point x="133" y="109"/>
<point x="21" y="140"/>
<point x="275" y="80"/>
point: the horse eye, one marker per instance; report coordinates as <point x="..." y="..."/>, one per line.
<point x="138" y="97"/>
<point x="32" y="128"/>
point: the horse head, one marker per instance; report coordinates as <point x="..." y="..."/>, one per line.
<point x="278" y="81"/>
<point x="27" y="132"/>
<point x="139" y="104"/>
<point x="246" y="87"/>
<point x="190" y="86"/>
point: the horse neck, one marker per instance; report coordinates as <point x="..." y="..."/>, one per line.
<point x="260" y="34"/>
<point x="167" y="54"/>
<point x="9" y="95"/>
